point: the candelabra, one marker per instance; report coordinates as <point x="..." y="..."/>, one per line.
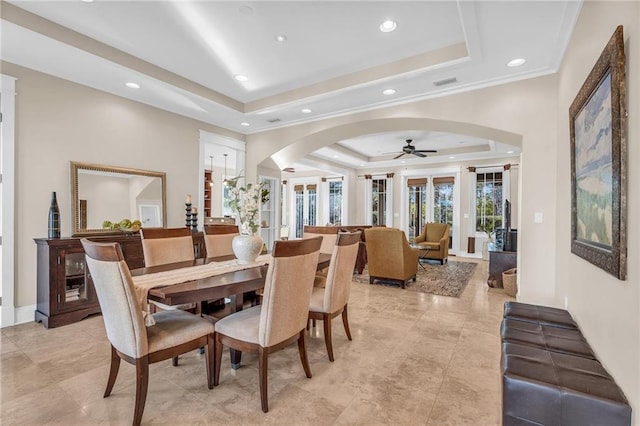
<point x="188" y="215"/>
<point x="194" y="220"/>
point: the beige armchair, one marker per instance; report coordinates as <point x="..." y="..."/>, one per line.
<point x="282" y="317"/>
<point x="435" y="237"/>
<point x="174" y="332"/>
<point x="390" y="257"/>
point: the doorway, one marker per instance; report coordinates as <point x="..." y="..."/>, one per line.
<point x="304" y="206"/>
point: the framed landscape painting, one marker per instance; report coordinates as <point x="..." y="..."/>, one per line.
<point x="597" y="119"/>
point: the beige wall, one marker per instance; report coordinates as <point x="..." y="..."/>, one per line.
<point x="58" y="121"/>
<point x="522" y="113"/>
<point x="607" y="309"/>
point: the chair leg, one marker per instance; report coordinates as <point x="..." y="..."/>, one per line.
<point x="345" y="322"/>
<point x="326" y="319"/>
<point x="370" y="280"/>
<point x="263" y="363"/>
<point x="142" y="383"/>
<point x="217" y="345"/>
<point x="209" y="353"/>
<point x="302" y="350"/>
<point x="314" y="323"/>
<point x="113" y="371"/>
<point x="174" y="361"/>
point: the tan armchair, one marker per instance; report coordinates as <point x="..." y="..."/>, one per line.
<point x="435" y="236"/>
<point x="390" y="257"/>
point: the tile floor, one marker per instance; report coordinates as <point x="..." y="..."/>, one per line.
<point x="415" y="359"/>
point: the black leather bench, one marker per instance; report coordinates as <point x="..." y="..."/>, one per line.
<point x="550" y="375"/>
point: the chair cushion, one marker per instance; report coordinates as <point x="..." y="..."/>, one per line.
<point x="243" y="325"/>
<point x="175" y="327"/>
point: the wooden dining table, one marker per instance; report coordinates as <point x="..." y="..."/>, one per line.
<point x="231" y="285"/>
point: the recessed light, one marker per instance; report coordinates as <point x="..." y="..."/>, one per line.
<point x="509" y="152"/>
<point x="388" y="26"/>
<point x="281" y="38"/>
<point x="245" y="124"/>
<point x="516" y="62"/>
<point x="86" y="1"/>
<point x="402" y="161"/>
<point x="335" y="156"/>
<point x="305" y="110"/>
<point x="361" y="165"/>
<point x="241" y="77"/>
<point x="132" y="85"/>
<point x="389" y="92"/>
<point x="452" y="157"/>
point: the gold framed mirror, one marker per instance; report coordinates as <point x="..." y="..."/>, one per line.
<point x="102" y="193"/>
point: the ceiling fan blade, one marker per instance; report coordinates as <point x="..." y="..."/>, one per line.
<point x="418" y="154"/>
<point x="426" y="150"/>
<point x="398" y="156"/>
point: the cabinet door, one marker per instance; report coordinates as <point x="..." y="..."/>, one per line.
<point x="75" y="289"/>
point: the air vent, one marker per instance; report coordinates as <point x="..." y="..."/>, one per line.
<point x="273" y="120"/>
<point x="445" y="81"/>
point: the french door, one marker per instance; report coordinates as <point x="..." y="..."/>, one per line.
<point x="443" y="202"/>
<point x="305" y="207"/>
<point x="417" y="206"/>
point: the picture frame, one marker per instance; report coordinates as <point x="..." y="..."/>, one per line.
<point x="597" y="120"/>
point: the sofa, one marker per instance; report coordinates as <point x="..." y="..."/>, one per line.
<point x="389" y="256"/>
<point x="435" y="237"/>
<point x="550" y="374"/>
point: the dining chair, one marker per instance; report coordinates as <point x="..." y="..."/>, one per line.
<point x="330" y="300"/>
<point x="167" y="245"/>
<point x="174" y="332"/>
<point x="218" y="239"/>
<point x="281" y="318"/>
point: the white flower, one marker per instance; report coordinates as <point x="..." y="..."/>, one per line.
<point x="245" y="201"/>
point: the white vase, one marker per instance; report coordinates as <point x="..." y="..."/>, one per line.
<point x="246" y="248"/>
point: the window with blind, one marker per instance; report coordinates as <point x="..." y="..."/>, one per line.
<point x="417" y="205"/>
<point x="378" y="202"/>
<point x="488" y="201"/>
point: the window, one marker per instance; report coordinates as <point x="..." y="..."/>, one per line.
<point x="488" y="201"/>
<point x="226" y="197"/>
<point x="378" y="202"/>
<point x="443" y="203"/>
<point x="417" y="205"/>
<point x="335" y="202"/>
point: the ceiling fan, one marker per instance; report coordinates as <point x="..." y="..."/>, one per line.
<point x="410" y="149"/>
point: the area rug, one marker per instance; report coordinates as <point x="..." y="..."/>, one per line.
<point x="449" y="279"/>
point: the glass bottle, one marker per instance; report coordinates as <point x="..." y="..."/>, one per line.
<point x="54" y="217"/>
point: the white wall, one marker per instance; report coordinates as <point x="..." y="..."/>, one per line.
<point x="607" y="309"/>
<point x="58" y="121"/>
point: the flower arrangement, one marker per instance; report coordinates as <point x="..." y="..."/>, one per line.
<point x="245" y="201"/>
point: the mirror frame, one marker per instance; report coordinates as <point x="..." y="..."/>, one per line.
<point x="75" y="202"/>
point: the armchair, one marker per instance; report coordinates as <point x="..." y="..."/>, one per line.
<point x="435" y="236"/>
<point x="389" y="256"/>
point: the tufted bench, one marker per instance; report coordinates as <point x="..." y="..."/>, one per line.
<point x="550" y="375"/>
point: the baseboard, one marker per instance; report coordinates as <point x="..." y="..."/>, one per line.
<point x="24" y="314"/>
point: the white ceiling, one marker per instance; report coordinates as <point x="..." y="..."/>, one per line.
<point x="184" y="55"/>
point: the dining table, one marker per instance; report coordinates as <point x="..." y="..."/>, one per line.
<point x="230" y="285"/>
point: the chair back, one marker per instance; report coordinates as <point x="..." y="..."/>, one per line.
<point x="435" y="231"/>
<point x="122" y="317"/>
<point x="329" y="235"/>
<point x="218" y="239"/>
<point x="385" y="252"/>
<point x="287" y="291"/>
<point x="343" y="259"/>
<point x="166" y="245"/>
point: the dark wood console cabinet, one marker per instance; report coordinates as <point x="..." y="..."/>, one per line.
<point x="500" y="261"/>
<point x="65" y="292"/>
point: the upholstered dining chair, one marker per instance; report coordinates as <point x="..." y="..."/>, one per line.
<point x="281" y="318"/>
<point x="218" y="238"/>
<point x="330" y="300"/>
<point x="167" y="245"/>
<point x="174" y="332"/>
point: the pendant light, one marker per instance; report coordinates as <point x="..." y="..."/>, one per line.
<point x="211" y="181"/>
<point x="225" y="170"/>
